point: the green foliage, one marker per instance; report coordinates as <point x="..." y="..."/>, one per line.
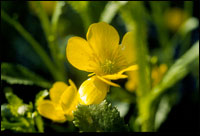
<point x="110" y="10"/>
<point x="82" y="8"/>
<point x="18" y="74"/>
<point x="164" y="107"/>
<point x="14" y="101"/>
<point x="98" y="118"/>
<point x="152" y="104"/>
<point x="178" y="70"/>
<point x="120" y="94"/>
<point x="19" y="116"/>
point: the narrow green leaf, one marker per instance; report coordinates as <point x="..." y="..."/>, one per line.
<point x="35" y="45"/>
<point x="165" y="105"/>
<point x="178" y="70"/>
<point x="111" y="10"/>
<point x="81" y="7"/>
<point x="134" y="14"/>
<point x="98" y="118"/>
<point x="39" y="123"/>
<point x="12" y="98"/>
<point x="18" y="74"/>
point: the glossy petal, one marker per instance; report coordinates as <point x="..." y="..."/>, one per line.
<point x="56" y="91"/>
<point x="51" y="111"/>
<point x="103" y="39"/>
<point x="79" y="54"/>
<point x="128" y="47"/>
<point x="92" y="91"/>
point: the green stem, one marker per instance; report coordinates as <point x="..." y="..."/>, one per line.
<point x="36" y="46"/>
<point x="50" y="33"/>
<point x="47" y="28"/>
<point x="54" y="25"/>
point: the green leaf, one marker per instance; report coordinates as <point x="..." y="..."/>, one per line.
<point x="122" y="95"/>
<point x="134" y="16"/>
<point x="18" y="74"/>
<point x="111" y="10"/>
<point x="40" y="96"/>
<point x="98" y="118"/>
<point x="164" y="107"/>
<point x="12" y="98"/>
<point x="39" y="123"/>
<point x="178" y="70"/>
<point x="81" y="7"/>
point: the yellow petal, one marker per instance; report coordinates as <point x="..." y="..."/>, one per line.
<point x="56" y="91"/>
<point x="103" y="39"/>
<point x="79" y="54"/>
<point x="130" y="68"/>
<point x="72" y="84"/>
<point x="50" y="110"/>
<point x="114" y="76"/>
<point x="92" y="91"/>
<point x="128" y="47"/>
<point x="91" y="74"/>
<point x="131" y="84"/>
<point x="108" y="81"/>
<point x="69" y="101"/>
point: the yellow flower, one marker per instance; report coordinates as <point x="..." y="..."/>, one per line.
<point x="157" y="73"/>
<point x="132" y="83"/>
<point x="48" y="6"/>
<point x="174" y="17"/>
<point x="102" y="55"/>
<point x="63" y="101"/>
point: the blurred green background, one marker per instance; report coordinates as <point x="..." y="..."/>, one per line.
<point x="163" y="21"/>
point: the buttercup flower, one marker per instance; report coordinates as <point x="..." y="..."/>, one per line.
<point x="174" y="18"/>
<point x="48" y="6"/>
<point x="63" y="101"/>
<point x="157" y="74"/>
<point x="102" y="55"/>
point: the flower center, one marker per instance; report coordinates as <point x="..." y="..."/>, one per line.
<point x="108" y="67"/>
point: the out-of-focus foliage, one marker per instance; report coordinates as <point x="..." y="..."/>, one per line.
<point x="17" y="74"/>
<point x="33" y="49"/>
<point x="19" y="116"/>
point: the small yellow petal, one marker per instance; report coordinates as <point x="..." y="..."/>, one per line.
<point x="50" y="110"/>
<point x="92" y="91"/>
<point x="56" y="91"/>
<point x="114" y="76"/>
<point x="130" y="68"/>
<point x="72" y="84"/>
<point x="108" y="81"/>
<point x="79" y="54"/>
<point x="91" y="74"/>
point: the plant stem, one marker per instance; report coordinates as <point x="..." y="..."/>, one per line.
<point x="50" y="33"/>
<point x="46" y="27"/>
<point x="54" y="24"/>
<point x="35" y="45"/>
